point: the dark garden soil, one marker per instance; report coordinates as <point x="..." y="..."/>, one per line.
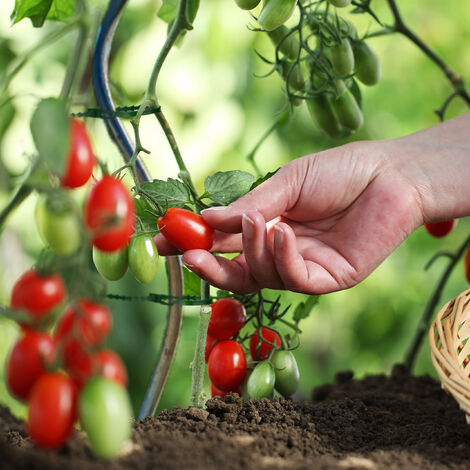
<point x="398" y="422"/>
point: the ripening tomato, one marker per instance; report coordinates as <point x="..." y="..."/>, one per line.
<point x="27" y="362"/>
<point x="440" y="229"/>
<point x="109" y="214"/>
<point x="467" y="264"/>
<point x="209" y="345"/>
<point x="52" y="410"/>
<point x="80" y="159"/>
<point x="108" y="364"/>
<point x="216" y="392"/>
<point x="264" y="348"/>
<point x="37" y="294"/>
<point x="186" y="230"/>
<point x="77" y="360"/>
<point x="227" y="318"/>
<point x="227" y="365"/>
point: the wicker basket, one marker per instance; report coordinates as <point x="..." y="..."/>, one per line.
<point x="450" y="349"/>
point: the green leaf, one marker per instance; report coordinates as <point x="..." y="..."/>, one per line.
<point x="50" y="129"/>
<point x="263" y="179"/>
<point x="191" y="10"/>
<point x="304" y="308"/>
<point x="168" y="10"/>
<point x="170" y="193"/>
<point x="192" y="284"/>
<point x="226" y="187"/>
<point x="40" y="10"/>
<point x="147" y="215"/>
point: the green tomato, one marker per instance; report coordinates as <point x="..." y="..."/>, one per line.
<point x="105" y="415"/>
<point x="288" y="45"/>
<point x="296" y="80"/>
<point x="347" y="111"/>
<point x="58" y="225"/>
<point x="261" y="381"/>
<point x="286" y="371"/>
<point x="321" y="112"/>
<point x="247" y="4"/>
<point x="143" y="258"/>
<point x="275" y="13"/>
<point x="340" y="3"/>
<point x="341" y="57"/>
<point x="367" y="68"/>
<point x="111" y="265"/>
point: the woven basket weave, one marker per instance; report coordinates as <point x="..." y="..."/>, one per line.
<point x="450" y="349"/>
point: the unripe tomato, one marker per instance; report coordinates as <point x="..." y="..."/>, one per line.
<point x="27" y="362"/>
<point x="247" y="4"/>
<point x="37" y="295"/>
<point x="58" y="226"/>
<point x="341" y="57"/>
<point x="227" y="318"/>
<point x="216" y="392"/>
<point x="143" y="258"/>
<point x="105" y="414"/>
<point x="109" y="214"/>
<point x="111" y="265"/>
<point x="295" y="79"/>
<point x="52" y="410"/>
<point x="261" y="381"/>
<point x="264" y="348"/>
<point x="347" y="111"/>
<point x="275" y="13"/>
<point x="209" y="345"/>
<point x="340" y="3"/>
<point x="227" y="365"/>
<point x="467" y="264"/>
<point x="80" y="159"/>
<point x="286" y="371"/>
<point x="186" y="230"/>
<point x="367" y="64"/>
<point x="108" y="364"/>
<point x="321" y="111"/>
<point x="289" y="45"/>
<point x="440" y="229"/>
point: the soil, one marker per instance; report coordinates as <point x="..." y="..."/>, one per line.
<point x="397" y="422"/>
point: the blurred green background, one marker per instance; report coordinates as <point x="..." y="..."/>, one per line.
<point x="219" y="109"/>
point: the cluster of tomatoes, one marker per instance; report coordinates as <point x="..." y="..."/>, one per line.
<point x="226" y="359"/>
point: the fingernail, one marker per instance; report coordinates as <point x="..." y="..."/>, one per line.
<point x="216" y="208"/>
<point x="189" y="266"/>
<point x="278" y="235"/>
<point x="248" y="226"/>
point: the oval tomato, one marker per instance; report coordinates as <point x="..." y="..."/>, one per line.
<point x="293" y="75"/>
<point x="37" y="295"/>
<point x="52" y="410"/>
<point x="264" y="348"/>
<point x="227" y="318"/>
<point x="347" y="111"/>
<point x="227" y="365"/>
<point x="186" y="230"/>
<point x="27" y="362"/>
<point x="217" y="392"/>
<point x="341" y="57"/>
<point x="108" y="364"/>
<point x="80" y="159"/>
<point x="321" y="111"/>
<point x="286" y="371"/>
<point x="340" y="3"/>
<point x="113" y="265"/>
<point x="440" y="229"/>
<point x="247" y="4"/>
<point x="261" y="381"/>
<point x="367" y="64"/>
<point x="109" y="214"/>
<point x="143" y="258"/>
<point x="288" y="44"/>
<point x="275" y="13"/>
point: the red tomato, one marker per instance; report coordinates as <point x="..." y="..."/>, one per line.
<point x="227" y="318"/>
<point x="109" y="214"/>
<point x="86" y="321"/>
<point x="186" y="230"/>
<point x="467" y="264"/>
<point x="209" y="345"/>
<point x="109" y="365"/>
<point x="80" y="159"/>
<point x="77" y="361"/>
<point x="216" y="392"/>
<point x="264" y="348"/>
<point x="440" y="229"/>
<point x="52" y="408"/>
<point x="36" y="294"/>
<point x="27" y="362"/>
<point x="227" y="365"/>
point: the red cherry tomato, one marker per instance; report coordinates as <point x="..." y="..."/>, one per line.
<point x="27" y="362"/>
<point x="440" y="229"/>
<point x="227" y="318"/>
<point x="186" y="230"/>
<point x="77" y="361"/>
<point x="467" y="264"/>
<point x="36" y="294"/>
<point x="264" y="348"/>
<point x="52" y="410"/>
<point x="209" y="345"/>
<point x="109" y="365"/>
<point x="80" y="159"/>
<point x="216" y="392"/>
<point x="227" y="365"/>
<point x="109" y="214"/>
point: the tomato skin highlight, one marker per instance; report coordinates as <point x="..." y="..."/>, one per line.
<point x="109" y="214"/>
<point x="286" y="371"/>
<point x="216" y="392"/>
<point x="264" y="348"/>
<point x="186" y="230"/>
<point x="440" y="229"/>
<point x="27" y="362"/>
<point x="227" y="365"/>
<point x="52" y="410"/>
<point x="227" y="318"/>
<point x="143" y="258"/>
<point x="80" y="159"/>
<point x="112" y="266"/>
<point x="261" y="381"/>
<point x="37" y="295"/>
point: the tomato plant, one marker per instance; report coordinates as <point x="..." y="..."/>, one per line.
<point x="261" y="381"/>
<point x="260" y="350"/>
<point x="143" y="257"/>
<point x="286" y="371"/>
<point x="186" y="230"/>
<point x="227" y="318"/>
<point x="440" y="229"/>
<point x="112" y="265"/>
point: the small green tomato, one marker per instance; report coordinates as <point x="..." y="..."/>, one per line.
<point x="111" y="265"/>
<point x="143" y="258"/>
<point x="261" y="381"/>
<point x="286" y="371"/>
